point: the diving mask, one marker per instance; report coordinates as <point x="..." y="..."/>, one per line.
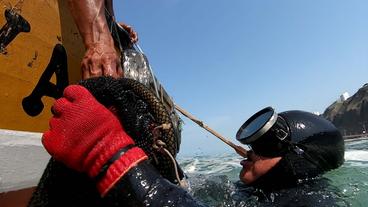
<point x="266" y="133"/>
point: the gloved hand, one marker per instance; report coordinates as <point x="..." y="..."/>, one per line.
<point x="89" y="138"/>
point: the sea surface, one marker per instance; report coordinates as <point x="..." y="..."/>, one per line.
<point x="214" y="181"/>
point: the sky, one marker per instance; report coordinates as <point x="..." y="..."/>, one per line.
<point x="224" y="60"/>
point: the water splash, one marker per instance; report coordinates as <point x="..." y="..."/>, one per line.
<point x="214" y="179"/>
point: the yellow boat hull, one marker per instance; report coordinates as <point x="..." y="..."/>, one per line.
<point x="25" y="56"/>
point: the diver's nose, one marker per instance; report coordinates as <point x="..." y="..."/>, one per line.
<point x="251" y="154"/>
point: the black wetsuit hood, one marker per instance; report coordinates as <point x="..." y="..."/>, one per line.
<point x="315" y="146"/>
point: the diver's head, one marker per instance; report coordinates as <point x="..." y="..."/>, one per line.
<point x="288" y="147"/>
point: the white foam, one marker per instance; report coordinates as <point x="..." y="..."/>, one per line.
<point x="191" y="167"/>
<point x="356" y="155"/>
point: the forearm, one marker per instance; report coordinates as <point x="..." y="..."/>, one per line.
<point x="89" y="15"/>
<point x="148" y="188"/>
<point x="101" y="57"/>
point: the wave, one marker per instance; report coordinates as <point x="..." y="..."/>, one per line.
<point x="361" y="144"/>
<point x="356" y="155"/>
<point x="209" y="165"/>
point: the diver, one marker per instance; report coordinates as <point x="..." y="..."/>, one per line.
<point x="287" y="148"/>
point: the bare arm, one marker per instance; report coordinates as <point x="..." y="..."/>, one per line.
<point x="100" y="58"/>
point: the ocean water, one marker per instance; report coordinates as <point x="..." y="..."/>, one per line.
<point x="214" y="181"/>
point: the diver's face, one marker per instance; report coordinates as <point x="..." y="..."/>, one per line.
<point x="256" y="166"/>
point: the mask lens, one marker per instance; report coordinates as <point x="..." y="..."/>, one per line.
<point x="265" y="132"/>
<point x="256" y="126"/>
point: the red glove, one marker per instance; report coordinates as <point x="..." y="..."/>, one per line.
<point x="87" y="137"/>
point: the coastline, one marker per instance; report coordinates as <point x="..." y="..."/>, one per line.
<point x="355" y="137"/>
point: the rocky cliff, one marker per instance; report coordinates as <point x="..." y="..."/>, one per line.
<point x="351" y="115"/>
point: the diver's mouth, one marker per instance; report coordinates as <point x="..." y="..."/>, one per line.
<point x="243" y="162"/>
<point x="246" y="164"/>
<point x="248" y="160"/>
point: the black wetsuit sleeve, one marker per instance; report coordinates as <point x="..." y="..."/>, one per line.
<point x="144" y="186"/>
